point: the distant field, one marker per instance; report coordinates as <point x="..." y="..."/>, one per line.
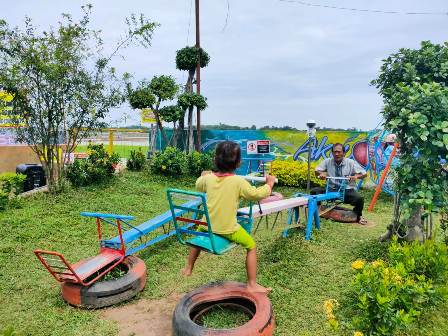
<point x="123" y="150"/>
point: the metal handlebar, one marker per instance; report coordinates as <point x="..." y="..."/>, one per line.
<point x="337" y="178"/>
<point x="256" y="178"/>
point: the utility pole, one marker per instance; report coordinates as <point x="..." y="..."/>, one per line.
<point x="198" y="79"/>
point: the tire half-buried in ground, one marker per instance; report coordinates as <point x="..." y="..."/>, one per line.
<point x="340" y="214"/>
<point x="195" y="304"/>
<point x="106" y="293"/>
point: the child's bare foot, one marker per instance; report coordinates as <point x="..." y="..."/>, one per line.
<point x="256" y="288"/>
<point x="186" y="271"/>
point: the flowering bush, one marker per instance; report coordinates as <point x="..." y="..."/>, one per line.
<point x="198" y="162"/>
<point x="98" y="167"/>
<point x="389" y="298"/>
<point x="171" y="161"/>
<point x="136" y="161"/>
<point x="295" y="173"/>
<point x="389" y="295"/>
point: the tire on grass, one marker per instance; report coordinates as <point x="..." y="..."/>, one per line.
<point x="233" y="294"/>
<point x="342" y="215"/>
<point x="109" y="292"/>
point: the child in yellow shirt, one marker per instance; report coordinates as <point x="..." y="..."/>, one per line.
<point x="224" y="190"/>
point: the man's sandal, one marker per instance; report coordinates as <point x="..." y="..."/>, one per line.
<point x="363" y="221"/>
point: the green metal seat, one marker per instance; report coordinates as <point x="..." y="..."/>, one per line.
<point x="204" y="239"/>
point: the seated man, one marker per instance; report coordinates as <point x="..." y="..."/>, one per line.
<point x="339" y="166"/>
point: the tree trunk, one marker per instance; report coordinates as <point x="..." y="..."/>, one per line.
<point x="173" y="140"/>
<point x="415" y="227"/>
<point x="159" y="123"/>
<point x="182" y="132"/>
<point x="189" y="85"/>
<point x="190" y="130"/>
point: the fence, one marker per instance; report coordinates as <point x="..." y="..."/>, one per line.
<point x="120" y="141"/>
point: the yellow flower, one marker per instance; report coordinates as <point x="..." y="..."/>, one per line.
<point x="358" y="333"/>
<point x="358" y="264"/>
<point x="377" y="263"/>
<point x="329" y="305"/>
<point x="163" y="167"/>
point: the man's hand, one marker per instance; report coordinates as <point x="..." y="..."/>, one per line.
<point x="270" y="180"/>
<point x="322" y="175"/>
<point x="206" y="172"/>
<point x="352" y="178"/>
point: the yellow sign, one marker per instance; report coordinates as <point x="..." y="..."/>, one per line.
<point x="148" y="116"/>
<point x="6" y="97"/>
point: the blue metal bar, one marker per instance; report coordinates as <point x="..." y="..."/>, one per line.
<point x="153" y="241"/>
<point x="103" y="215"/>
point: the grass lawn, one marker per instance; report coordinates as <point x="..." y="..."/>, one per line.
<point x="302" y="274"/>
<point x="123" y="150"/>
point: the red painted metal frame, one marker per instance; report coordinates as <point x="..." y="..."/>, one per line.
<point x="59" y="276"/>
<point x="53" y="273"/>
<point x="189" y="220"/>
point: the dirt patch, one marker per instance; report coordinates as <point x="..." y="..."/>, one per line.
<point x="146" y="317"/>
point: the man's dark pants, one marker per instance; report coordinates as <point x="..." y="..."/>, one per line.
<point x="351" y="197"/>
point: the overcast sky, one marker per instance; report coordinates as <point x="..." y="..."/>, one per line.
<point x="272" y="63"/>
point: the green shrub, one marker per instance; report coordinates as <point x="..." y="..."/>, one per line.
<point x="98" y="167"/>
<point x="429" y="259"/>
<point x="198" y="162"/>
<point x="389" y="295"/>
<point x="295" y="173"/>
<point x="171" y="162"/>
<point x="389" y="298"/>
<point x="4" y="199"/>
<point x="12" y="183"/>
<point x="136" y="161"/>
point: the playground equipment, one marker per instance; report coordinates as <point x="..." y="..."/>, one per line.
<point x="334" y="191"/>
<point x="206" y="240"/>
<point x="383" y="177"/>
<point x="80" y="281"/>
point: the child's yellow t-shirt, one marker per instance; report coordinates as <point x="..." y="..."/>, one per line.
<point x="223" y="195"/>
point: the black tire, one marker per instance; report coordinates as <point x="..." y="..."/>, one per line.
<point x="235" y="294"/>
<point x="106" y="293"/>
<point x="341" y="215"/>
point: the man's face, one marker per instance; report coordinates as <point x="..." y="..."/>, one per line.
<point x="338" y="154"/>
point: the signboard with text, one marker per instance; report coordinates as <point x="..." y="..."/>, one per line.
<point x="148" y="116"/>
<point x="258" y="147"/>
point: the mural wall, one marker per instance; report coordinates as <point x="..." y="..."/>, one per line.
<point x="291" y="144"/>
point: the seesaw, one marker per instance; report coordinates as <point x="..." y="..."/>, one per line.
<point x="112" y="251"/>
<point x="206" y="240"/>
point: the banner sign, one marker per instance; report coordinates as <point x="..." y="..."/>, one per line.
<point x="148" y="116"/>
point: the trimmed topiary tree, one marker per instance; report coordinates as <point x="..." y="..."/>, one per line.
<point x="151" y="95"/>
<point x="187" y="59"/>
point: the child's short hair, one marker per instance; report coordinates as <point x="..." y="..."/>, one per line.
<point x="227" y="156"/>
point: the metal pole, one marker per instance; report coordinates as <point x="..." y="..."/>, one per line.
<point x="198" y="80"/>
<point x="308" y="181"/>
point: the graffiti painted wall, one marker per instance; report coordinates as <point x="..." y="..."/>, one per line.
<point x="291" y="144"/>
<point x="295" y="144"/>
